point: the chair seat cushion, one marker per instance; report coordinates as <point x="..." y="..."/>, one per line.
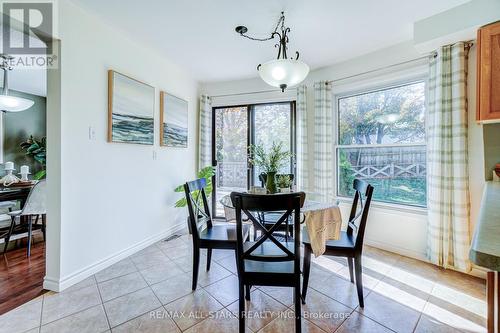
<point x="223" y="232"/>
<point x="14" y="213"/>
<point x="7" y="204"/>
<point x="344" y="242"/>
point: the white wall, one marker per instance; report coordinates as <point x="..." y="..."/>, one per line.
<point x="398" y="230"/>
<point x="458" y="23"/>
<point x="114" y="198"/>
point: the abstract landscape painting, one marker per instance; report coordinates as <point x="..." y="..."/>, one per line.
<point x="130" y="110"/>
<point x="173" y="120"/>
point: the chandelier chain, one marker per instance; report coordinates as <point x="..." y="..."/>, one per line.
<point x="281" y="22"/>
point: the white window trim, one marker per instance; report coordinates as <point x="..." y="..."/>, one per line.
<point x="395" y="79"/>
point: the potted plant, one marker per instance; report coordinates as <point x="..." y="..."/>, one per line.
<point x="284" y="183"/>
<point x="207" y="173"/>
<point x="270" y="162"/>
<point x="37" y="150"/>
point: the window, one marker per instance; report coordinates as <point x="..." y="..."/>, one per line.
<point x="234" y="129"/>
<point x="381" y="139"/>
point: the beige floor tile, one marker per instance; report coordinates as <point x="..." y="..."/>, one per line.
<point x="388" y="258"/>
<point x="124" y="308"/>
<point x="158" y="273"/>
<point x="370" y="278"/>
<point x="396" y="316"/>
<point x="286" y="324"/>
<point x="173" y="288"/>
<point x="358" y="323"/>
<point x="87" y="321"/>
<point x="179" y="251"/>
<point x="229" y="263"/>
<point x="218" y="255"/>
<point x="147" y="250"/>
<point x="284" y="295"/>
<point x="467" y="284"/>
<point x="22" y="318"/>
<point x="34" y="330"/>
<point x="156" y="321"/>
<point x="454" y="316"/>
<point x="324" y="312"/>
<point x="215" y="274"/>
<point x="123" y="267"/>
<point x="193" y="308"/>
<point x="64" y="304"/>
<point x="430" y="325"/>
<point x="221" y="321"/>
<point x="121" y="285"/>
<point x="185" y="263"/>
<point x="402" y="294"/>
<point x="410" y="280"/>
<point x="150" y="259"/>
<point x="82" y="284"/>
<point x="260" y="310"/>
<point x="420" y="268"/>
<point x="329" y="264"/>
<point x="225" y="291"/>
<point x="460" y="299"/>
<point x="339" y="289"/>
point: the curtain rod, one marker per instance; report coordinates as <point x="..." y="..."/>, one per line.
<point x="251" y="92"/>
<point x="339" y="79"/>
<point x="433" y="54"/>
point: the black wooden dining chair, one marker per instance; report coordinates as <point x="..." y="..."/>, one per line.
<point x="350" y="244"/>
<point x="207" y="235"/>
<point x="268" y="262"/>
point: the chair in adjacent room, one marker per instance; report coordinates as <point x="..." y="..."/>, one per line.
<point x="29" y="215"/>
<point x="350" y="244"/>
<point x="268" y="262"/>
<point x="205" y="234"/>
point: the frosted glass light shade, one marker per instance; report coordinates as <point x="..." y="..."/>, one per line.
<point x="283" y="73"/>
<point x="14" y="104"/>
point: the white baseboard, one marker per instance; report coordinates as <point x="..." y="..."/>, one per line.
<point x="396" y="249"/>
<point x="58" y="285"/>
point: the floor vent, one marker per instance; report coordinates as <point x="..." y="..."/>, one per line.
<point x="171" y="238"/>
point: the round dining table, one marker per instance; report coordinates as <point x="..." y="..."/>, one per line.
<point x="309" y="205"/>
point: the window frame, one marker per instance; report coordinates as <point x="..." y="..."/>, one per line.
<point x="250" y="109"/>
<point x="336" y="146"/>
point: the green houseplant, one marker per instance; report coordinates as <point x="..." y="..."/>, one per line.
<point x="270" y="162"/>
<point x="37" y="150"/>
<point x="207" y="173"/>
<point x="284" y="183"/>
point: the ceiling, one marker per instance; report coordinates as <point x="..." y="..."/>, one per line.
<point x="199" y="34"/>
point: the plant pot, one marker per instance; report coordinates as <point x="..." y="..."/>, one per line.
<point x="271" y="182"/>
<point x="285" y="190"/>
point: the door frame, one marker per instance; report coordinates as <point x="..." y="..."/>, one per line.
<point x="251" y="140"/>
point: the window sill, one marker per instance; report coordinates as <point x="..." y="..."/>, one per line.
<point x="388" y="206"/>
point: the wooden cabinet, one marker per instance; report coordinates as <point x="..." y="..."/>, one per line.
<point x="488" y="73"/>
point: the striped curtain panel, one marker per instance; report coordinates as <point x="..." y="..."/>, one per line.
<point x="205" y="133"/>
<point x="323" y="141"/>
<point x="448" y="237"/>
<point x="302" y="158"/>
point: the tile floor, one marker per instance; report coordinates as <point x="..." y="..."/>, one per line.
<point x="150" y="292"/>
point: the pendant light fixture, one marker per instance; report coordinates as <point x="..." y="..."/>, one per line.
<point x="11" y="103"/>
<point x="281" y="72"/>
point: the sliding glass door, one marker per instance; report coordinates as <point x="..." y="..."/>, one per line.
<point x="234" y="129"/>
